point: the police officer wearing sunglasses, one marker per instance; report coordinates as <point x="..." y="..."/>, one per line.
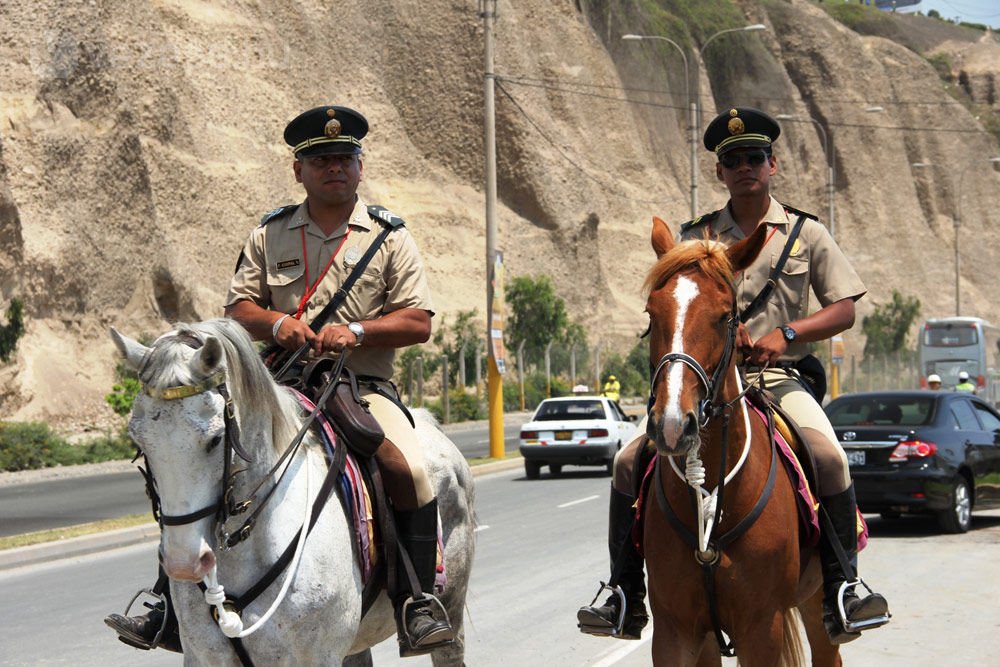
<point x="774" y="343"/>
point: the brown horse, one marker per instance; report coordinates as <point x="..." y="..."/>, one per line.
<point x="721" y="530"/>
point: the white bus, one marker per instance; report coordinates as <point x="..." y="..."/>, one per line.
<point x="952" y="344"/>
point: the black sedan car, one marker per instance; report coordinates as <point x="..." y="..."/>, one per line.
<point x="920" y="452"/>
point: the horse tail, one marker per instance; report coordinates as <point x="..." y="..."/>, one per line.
<point x="792" y="654"/>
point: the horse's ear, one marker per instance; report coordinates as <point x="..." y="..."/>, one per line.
<point x="661" y="237"/>
<point x="133" y="351"/>
<point x="208" y="357"/>
<point x="743" y="253"/>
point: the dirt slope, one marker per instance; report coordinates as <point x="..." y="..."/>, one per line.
<point x="140" y="143"/>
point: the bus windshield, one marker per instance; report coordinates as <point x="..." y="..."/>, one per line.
<point x="950" y="335"/>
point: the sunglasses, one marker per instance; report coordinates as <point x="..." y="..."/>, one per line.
<point x="752" y="158"/>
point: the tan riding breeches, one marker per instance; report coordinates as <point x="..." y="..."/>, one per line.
<point x="831" y="461"/>
<point x="400" y="457"/>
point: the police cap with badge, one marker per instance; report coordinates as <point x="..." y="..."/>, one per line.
<point x="326" y="130"/>
<point x="741" y="127"/>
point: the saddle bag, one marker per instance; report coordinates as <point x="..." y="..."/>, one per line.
<point x="351" y="415"/>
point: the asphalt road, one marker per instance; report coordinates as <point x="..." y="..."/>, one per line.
<point x="58" y="503"/>
<point x="540" y="550"/>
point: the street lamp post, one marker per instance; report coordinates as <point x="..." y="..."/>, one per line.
<point x="830" y="162"/>
<point x="701" y="59"/>
<point x="691" y="124"/>
<point x="693" y="101"/>
<point x="958" y="221"/>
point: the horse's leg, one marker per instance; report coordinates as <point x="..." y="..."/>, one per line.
<point x="759" y="643"/>
<point x="363" y="659"/>
<point x="710" y="655"/>
<point x="824" y="654"/>
<point x="670" y="649"/>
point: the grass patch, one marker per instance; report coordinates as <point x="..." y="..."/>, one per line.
<point x="515" y="454"/>
<point x="56" y="534"/>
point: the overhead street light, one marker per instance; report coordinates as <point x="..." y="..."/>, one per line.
<point x="958" y="219"/>
<point x="692" y="124"/>
<point x="830" y="161"/>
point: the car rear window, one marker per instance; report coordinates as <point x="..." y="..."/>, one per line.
<point x="553" y="410"/>
<point x="881" y="411"/>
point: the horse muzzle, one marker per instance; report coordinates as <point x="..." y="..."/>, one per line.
<point x="674" y="437"/>
<point x="186" y="565"/>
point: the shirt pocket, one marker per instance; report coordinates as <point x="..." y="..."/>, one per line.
<point x="793" y="285"/>
<point x="367" y="297"/>
<point x="287" y="286"/>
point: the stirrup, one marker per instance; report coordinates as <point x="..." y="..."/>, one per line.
<point x="155" y="642"/>
<point x="407" y="647"/>
<point x="864" y="624"/>
<point x="616" y="631"/>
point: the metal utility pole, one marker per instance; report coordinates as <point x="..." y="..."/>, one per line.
<point x="494" y="394"/>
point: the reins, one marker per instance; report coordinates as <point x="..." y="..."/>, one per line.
<point x="708" y="551"/>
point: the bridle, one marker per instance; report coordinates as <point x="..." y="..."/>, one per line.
<point x="709" y="406"/>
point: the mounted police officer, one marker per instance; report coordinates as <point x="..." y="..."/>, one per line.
<point x="774" y="343"/>
<point x="292" y="266"/>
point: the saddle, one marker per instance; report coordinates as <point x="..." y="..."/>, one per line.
<point x="347" y="419"/>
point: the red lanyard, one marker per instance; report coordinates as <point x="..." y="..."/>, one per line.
<point x="305" y="256"/>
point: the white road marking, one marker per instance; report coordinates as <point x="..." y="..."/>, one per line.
<point x="577" y="502"/>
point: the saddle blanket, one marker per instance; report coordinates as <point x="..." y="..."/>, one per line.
<point x="360" y="514"/>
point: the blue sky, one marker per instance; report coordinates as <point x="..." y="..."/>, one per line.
<point x="986" y="12"/>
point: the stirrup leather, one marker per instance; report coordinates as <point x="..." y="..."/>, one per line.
<point x="616" y="631"/>
<point x="864" y="624"/>
<point x="155" y="642"/>
<point x="407" y="646"/>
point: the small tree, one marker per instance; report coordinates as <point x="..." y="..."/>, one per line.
<point x="537" y="314"/>
<point x="465" y="331"/>
<point x="886" y="328"/>
<point x="11" y="332"/>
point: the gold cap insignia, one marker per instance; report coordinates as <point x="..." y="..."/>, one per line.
<point x="332" y="128"/>
<point x="331" y="112"/>
<point x="736" y="125"/>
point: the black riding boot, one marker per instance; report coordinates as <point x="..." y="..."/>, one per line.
<point x="860" y="613"/>
<point x="422" y="624"/>
<point x="626" y="561"/>
<point x="156" y="628"/>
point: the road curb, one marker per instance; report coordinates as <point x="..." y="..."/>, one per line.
<point x="147" y="532"/>
<point x="78" y="546"/>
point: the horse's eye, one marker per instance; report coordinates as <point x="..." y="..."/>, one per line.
<point x="214" y="443"/>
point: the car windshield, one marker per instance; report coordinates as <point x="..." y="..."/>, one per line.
<point x="881" y="411"/>
<point x="583" y="409"/>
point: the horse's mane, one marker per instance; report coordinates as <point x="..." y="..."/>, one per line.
<point x="707" y="256"/>
<point x="250" y="383"/>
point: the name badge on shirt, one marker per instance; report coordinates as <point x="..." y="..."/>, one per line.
<point x="288" y="263"/>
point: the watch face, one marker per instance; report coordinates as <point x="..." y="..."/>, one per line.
<point x="789" y="333"/>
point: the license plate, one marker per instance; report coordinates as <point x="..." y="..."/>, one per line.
<point x="856" y="458"/>
<point x="564" y="435"/>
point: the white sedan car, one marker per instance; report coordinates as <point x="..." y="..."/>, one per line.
<point x="575" y="430"/>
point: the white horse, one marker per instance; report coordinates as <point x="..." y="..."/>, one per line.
<point x="182" y="434"/>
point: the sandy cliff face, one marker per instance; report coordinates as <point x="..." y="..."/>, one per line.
<point x="140" y="143"/>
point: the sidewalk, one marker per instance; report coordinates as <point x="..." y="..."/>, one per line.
<point x="150" y="532"/>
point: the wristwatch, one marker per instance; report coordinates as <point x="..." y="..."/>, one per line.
<point x="788" y="332"/>
<point x="358" y="331"/>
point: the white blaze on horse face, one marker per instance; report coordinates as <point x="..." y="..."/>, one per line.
<point x="175" y="436"/>
<point x="673" y="420"/>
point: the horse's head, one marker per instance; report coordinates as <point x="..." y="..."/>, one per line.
<point x="179" y="422"/>
<point x="692" y="317"/>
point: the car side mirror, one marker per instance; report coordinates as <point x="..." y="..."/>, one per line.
<point x="632" y="418"/>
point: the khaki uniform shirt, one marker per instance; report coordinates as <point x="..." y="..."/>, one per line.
<point x="815" y="264"/>
<point x="272" y="274"/>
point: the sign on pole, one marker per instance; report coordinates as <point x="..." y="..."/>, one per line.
<point x="837" y="349"/>
<point x="497" y="349"/>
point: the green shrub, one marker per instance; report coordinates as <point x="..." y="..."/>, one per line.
<point x="122" y="395"/>
<point x="11" y="332"/>
<point x="32" y="445"/>
<point x="461" y="407"/>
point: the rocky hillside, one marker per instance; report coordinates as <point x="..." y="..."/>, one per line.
<point x="139" y="143"/>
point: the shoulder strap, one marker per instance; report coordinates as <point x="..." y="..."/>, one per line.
<point x="389" y="222"/>
<point x="701" y="219"/>
<point x="765" y="292"/>
<point x="795" y="211"/>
